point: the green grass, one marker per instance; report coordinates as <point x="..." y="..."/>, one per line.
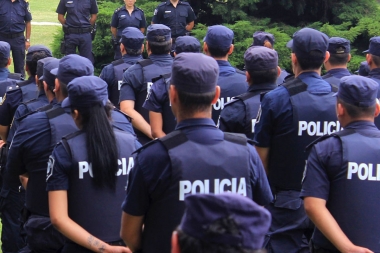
<point x="44" y="10"/>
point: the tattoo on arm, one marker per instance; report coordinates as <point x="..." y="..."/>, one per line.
<point x="93" y="242"/>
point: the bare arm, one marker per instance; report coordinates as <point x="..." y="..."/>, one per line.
<point x="156" y="123"/>
<point x="28" y="31"/>
<point x="131" y="230"/>
<point x="190" y="26"/>
<point x="64" y="224"/>
<point x="138" y="122"/>
<point x="264" y="156"/>
<point x="325" y="222"/>
<point x="4" y="132"/>
<point x="24" y="180"/>
<point x="93" y="19"/>
<point x="114" y="31"/>
<point x="61" y="19"/>
<point x="142" y="30"/>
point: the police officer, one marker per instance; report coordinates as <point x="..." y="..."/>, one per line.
<point x="131" y="47"/>
<point x="232" y="82"/>
<point x="89" y="167"/>
<point x="126" y="16"/>
<point x="77" y="19"/>
<point x="196" y="158"/>
<point x="137" y="80"/>
<point x="339" y="187"/>
<point x="242" y="225"/>
<point x="363" y="69"/>
<point x="162" y="120"/>
<point x="177" y="15"/>
<point x="239" y="115"/>
<point x="15" y="19"/>
<point x="336" y="66"/>
<point x="265" y="39"/>
<point x="292" y="116"/>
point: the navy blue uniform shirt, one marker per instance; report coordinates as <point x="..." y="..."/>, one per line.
<point x="121" y="19"/>
<point x="176" y="18"/>
<point x="133" y="78"/>
<point x="339" y="72"/>
<point x="13" y="16"/>
<point x="77" y="12"/>
<point x="158" y="96"/>
<point x="276" y="115"/>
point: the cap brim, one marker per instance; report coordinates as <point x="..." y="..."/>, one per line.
<point x="366" y="51"/>
<point x="54" y="71"/>
<point x="66" y="103"/>
<point x="289" y="44"/>
<point x="335" y="94"/>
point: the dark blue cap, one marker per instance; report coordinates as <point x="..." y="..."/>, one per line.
<point x="203" y="210"/>
<point x="37" y="48"/>
<point x="40" y="67"/>
<point x="306" y="40"/>
<point x="363" y="69"/>
<point x="72" y="66"/>
<point x="132" y="38"/>
<point x="359" y="91"/>
<point x="5" y="50"/>
<point x="47" y="75"/>
<point x="86" y="91"/>
<point x="260" y="37"/>
<point x="219" y="36"/>
<point x="339" y="45"/>
<point x="187" y="44"/>
<point x="260" y="58"/>
<point x="374" y="46"/>
<point x="194" y="73"/>
<point x="158" y="33"/>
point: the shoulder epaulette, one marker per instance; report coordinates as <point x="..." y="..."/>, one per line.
<point x="145" y="62"/>
<point x="29" y="101"/>
<point x="185" y="3"/>
<point x="12" y="87"/>
<point x="26" y="115"/>
<point x="117" y="62"/>
<point x="139" y="9"/>
<point x="118" y="9"/>
<point x="161" y="4"/>
<point x="342" y="133"/>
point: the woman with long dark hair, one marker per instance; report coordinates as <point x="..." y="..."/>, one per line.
<point x="87" y="172"/>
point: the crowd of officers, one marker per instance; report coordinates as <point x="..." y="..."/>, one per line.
<point x="159" y="135"/>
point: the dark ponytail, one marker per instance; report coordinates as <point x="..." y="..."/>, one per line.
<point x="101" y="144"/>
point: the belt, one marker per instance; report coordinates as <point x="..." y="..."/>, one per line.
<point x="12" y="35"/>
<point x="77" y="30"/>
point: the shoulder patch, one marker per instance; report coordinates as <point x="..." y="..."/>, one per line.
<point x="12" y="87"/>
<point x="118" y="9"/>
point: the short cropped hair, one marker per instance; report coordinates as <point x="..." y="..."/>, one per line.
<point x="311" y="63"/>
<point x="358" y="112"/>
<point x="191" y="103"/>
<point x="160" y="48"/>
<point x="338" y="59"/>
<point x="263" y="76"/>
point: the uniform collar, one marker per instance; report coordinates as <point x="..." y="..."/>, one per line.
<point x="309" y="74"/>
<point x="360" y="124"/>
<point x="339" y="72"/>
<point x="195" y="122"/>
<point x="160" y="56"/>
<point x="263" y="86"/>
<point x="374" y="73"/>
<point x="129" y="58"/>
<point x="4" y="72"/>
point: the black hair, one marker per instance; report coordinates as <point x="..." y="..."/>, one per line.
<point x="338" y="59"/>
<point x="263" y="76"/>
<point x="4" y="62"/>
<point x="376" y="60"/>
<point x="193" y="102"/>
<point x="189" y="244"/>
<point x="101" y="144"/>
<point x="32" y="64"/>
<point x="63" y="88"/>
<point x="160" y="47"/>
<point x="217" y="51"/>
<point x="133" y="52"/>
<point x="313" y="62"/>
<point x="356" y="111"/>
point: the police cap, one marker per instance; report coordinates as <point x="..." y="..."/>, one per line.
<point x="219" y="36"/>
<point x="5" y="50"/>
<point x="260" y="37"/>
<point x="306" y="40"/>
<point x="194" y="73"/>
<point x="363" y="69"/>
<point x="359" y="91"/>
<point x="48" y="76"/>
<point x="37" y="48"/>
<point x="158" y="33"/>
<point x="40" y="67"/>
<point x="374" y="46"/>
<point x="86" y="91"/>
<point x="132" y="38"/>
<point x="204" y="210"/>
<point x="187" y="44"/>
<point x="72" y="66"/>
<point x="339" y="45"/>
<point x="260" y="58"/>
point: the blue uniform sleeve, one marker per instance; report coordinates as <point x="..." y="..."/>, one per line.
<point x="28" y="15"/>
<point x="190" y="15"/>
<point x="325" y="160"/>
<point x="158" y="14"/>
<point x="61" y="8"/>
<point x="108" y="76"/>
<point x="156" y="97"/>
<point x="232" y="118"/>
<point x="57" y="177"/>
<point x="9" y="106"/>
<point x="143" y="20"/>
<point x="261" y="191"/>
<point x="115" y="20"/>
<point x="132" y="83"/>
<point x="94" y="7"/>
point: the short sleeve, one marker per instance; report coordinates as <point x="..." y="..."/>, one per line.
<point x="61" y="8"/>
<point x="115" y="20"/>
<point x="57" y="177"/>
<point x="94" y="7"/>
<point x="132" y="83"/>
<point x="157" y="15"/>
<point x="28" y="14"/>
<point x="156" y="97"/>
<point x="143" y="20"/>
<point x="264" y="123"/>
<point x="190" y="15"/>
<point x="9" y="106"/>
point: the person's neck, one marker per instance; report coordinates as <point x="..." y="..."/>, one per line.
<point x="223" y="58"/>
<point x="197" y="115"/>
<point x="336" y="67"/>
<point x="130" y="8"/>
<point x="174" y="2"/>
<point x="344" y="122"/>
<point x="299" y="72"/>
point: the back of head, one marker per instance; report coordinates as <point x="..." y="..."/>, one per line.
<point x="47" y="74"/>
<point x="263" y="39"/>
<point x="219" y="40"/>
<point x="187" y="44"/>
<point x="132" y="40"/>
<point x="261" y="64"/>
<point x="194" y="76"/>
<point x="159" y="39"/>
<point x="5" y="54"/>
<point x="87" y="99"/>
<point x="374" y="50"/>
<point x="358" y="95"/>
<point x="36" y="53"/>
<point x="339" y="49"/>
<point x="310" y="48"/>
<point x="222" y="223"/>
